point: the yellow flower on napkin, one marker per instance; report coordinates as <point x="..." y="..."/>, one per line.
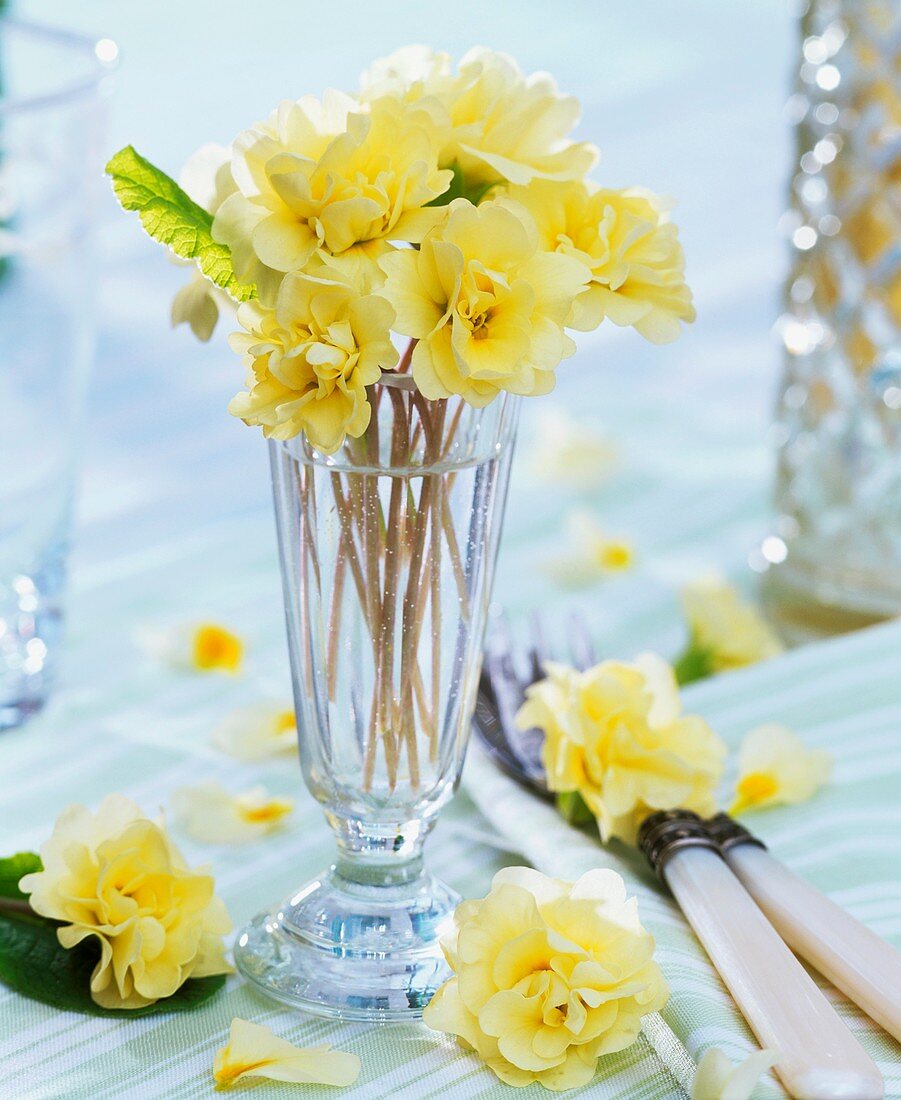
<point x="257" y="731"/>
<point x="254" y="1051"/>
<point x="776" y="768"/>
<point x="716" y="1078"/>
<point x="727" y="630"/>
<point x="194" y="647"/>
<point x="617" y="735"/>
<point x="209" y="814"/>
<point x="549" y="976"/>
<point x="592" y="554"/>
<point x="116" y="876"/>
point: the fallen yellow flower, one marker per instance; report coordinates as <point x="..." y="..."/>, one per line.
<point x="257" y="731"/>
<point x="549" y="976"/>
<point x="254" y="1051"/>
<point x="194" y="647"/>
<point x="727" y="630"/>
<point x="775" y="768"/>
<point x="593" y="554"/>
<point x="209" y="814"/>
<point x="616" y="734"/>
<point x="717" y="1078"/>
<point x="116" y="876"/>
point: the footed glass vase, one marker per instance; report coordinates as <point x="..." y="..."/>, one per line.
<point x="387" y="550"/>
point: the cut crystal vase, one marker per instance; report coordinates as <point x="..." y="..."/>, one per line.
<point x="836" y="547"/>
<point x="387" y="550"/>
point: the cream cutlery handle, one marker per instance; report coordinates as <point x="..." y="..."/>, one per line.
<point x="863" y="966"/>
<point x="819" y="1058"/>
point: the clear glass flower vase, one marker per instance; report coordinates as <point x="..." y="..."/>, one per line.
<point x="388" y="550"/>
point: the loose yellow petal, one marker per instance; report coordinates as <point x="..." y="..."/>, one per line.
<point x="565" y="451"/>
<point x="775" y="768"/>
<point x="730" y="631"/>
<point x="194" y="647"/>
<point x="209" y="814"/>
<point x="257" y="731"/>
<point x="592" y="553"/>
<point x="254" y="1051"/>
<point x="717" y="1078"/>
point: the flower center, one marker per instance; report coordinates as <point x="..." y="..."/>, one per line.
<point x="757" y="787"/>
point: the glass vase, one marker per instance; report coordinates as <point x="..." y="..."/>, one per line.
<point x="836" y="547"/>
<point x="387" y="551"/>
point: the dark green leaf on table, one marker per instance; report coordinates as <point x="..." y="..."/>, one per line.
<point x="33" y="963"/>
<point x="14" y="868"/>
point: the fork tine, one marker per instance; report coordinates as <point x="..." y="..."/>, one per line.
<point x="538" y="650"/>
<point x="581" y="645"/>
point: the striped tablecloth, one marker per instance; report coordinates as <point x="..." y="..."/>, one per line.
<point x="175" y="520"/>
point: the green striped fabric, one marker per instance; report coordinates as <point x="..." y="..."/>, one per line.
<point x="844" y="695"/>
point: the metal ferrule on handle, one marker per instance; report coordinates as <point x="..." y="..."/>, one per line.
<point x="819" y="1058"/>
<point x="863" y="966"/>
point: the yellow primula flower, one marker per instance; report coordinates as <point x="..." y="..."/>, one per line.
<point x="310" y="360"/>
<point x="549" y="976"/>
<point x="616" y="735"/>
<point x="335" y="176"/>
<point x="486" y="305"/>
<point x="116" y="876"/>
<point x="729" y="632"/>
<point x="194" y="647"/>
<point x="716" y="1078"/>
<point x="207" y="179"/>
<point x="257" y="731"/>
<point x="501" y="125"/>
<point x="254" y="1051"/>
<point x="631" y="248"/>
<point x="209" y="814"/>
<point x="775" y="768"/>
<point x="593" y="553"/>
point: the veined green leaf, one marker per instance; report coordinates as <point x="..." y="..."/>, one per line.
<point x="173" y="218"/>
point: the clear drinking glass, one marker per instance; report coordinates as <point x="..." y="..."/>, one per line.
<point x="52" y="88"/>
<point x="387" y="550"/>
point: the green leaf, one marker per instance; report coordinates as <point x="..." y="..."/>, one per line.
<point x="571" y="807"/>
<point x="693" y="664"/>
<point x="173" y="219"/>
<point x="13" y="868"/>
<point x="33" y="963"/>
<point x="461" y="189"/>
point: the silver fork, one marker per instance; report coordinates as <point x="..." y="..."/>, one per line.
<point x="506" y="673"/>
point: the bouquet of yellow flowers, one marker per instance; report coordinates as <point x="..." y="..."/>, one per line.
<point x="397" y="257"/>
<point x="447" y="206"/>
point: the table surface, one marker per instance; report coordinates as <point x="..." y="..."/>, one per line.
<point x="175" y="520"/>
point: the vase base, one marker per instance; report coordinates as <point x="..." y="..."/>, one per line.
<point x="351" y="951"/>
